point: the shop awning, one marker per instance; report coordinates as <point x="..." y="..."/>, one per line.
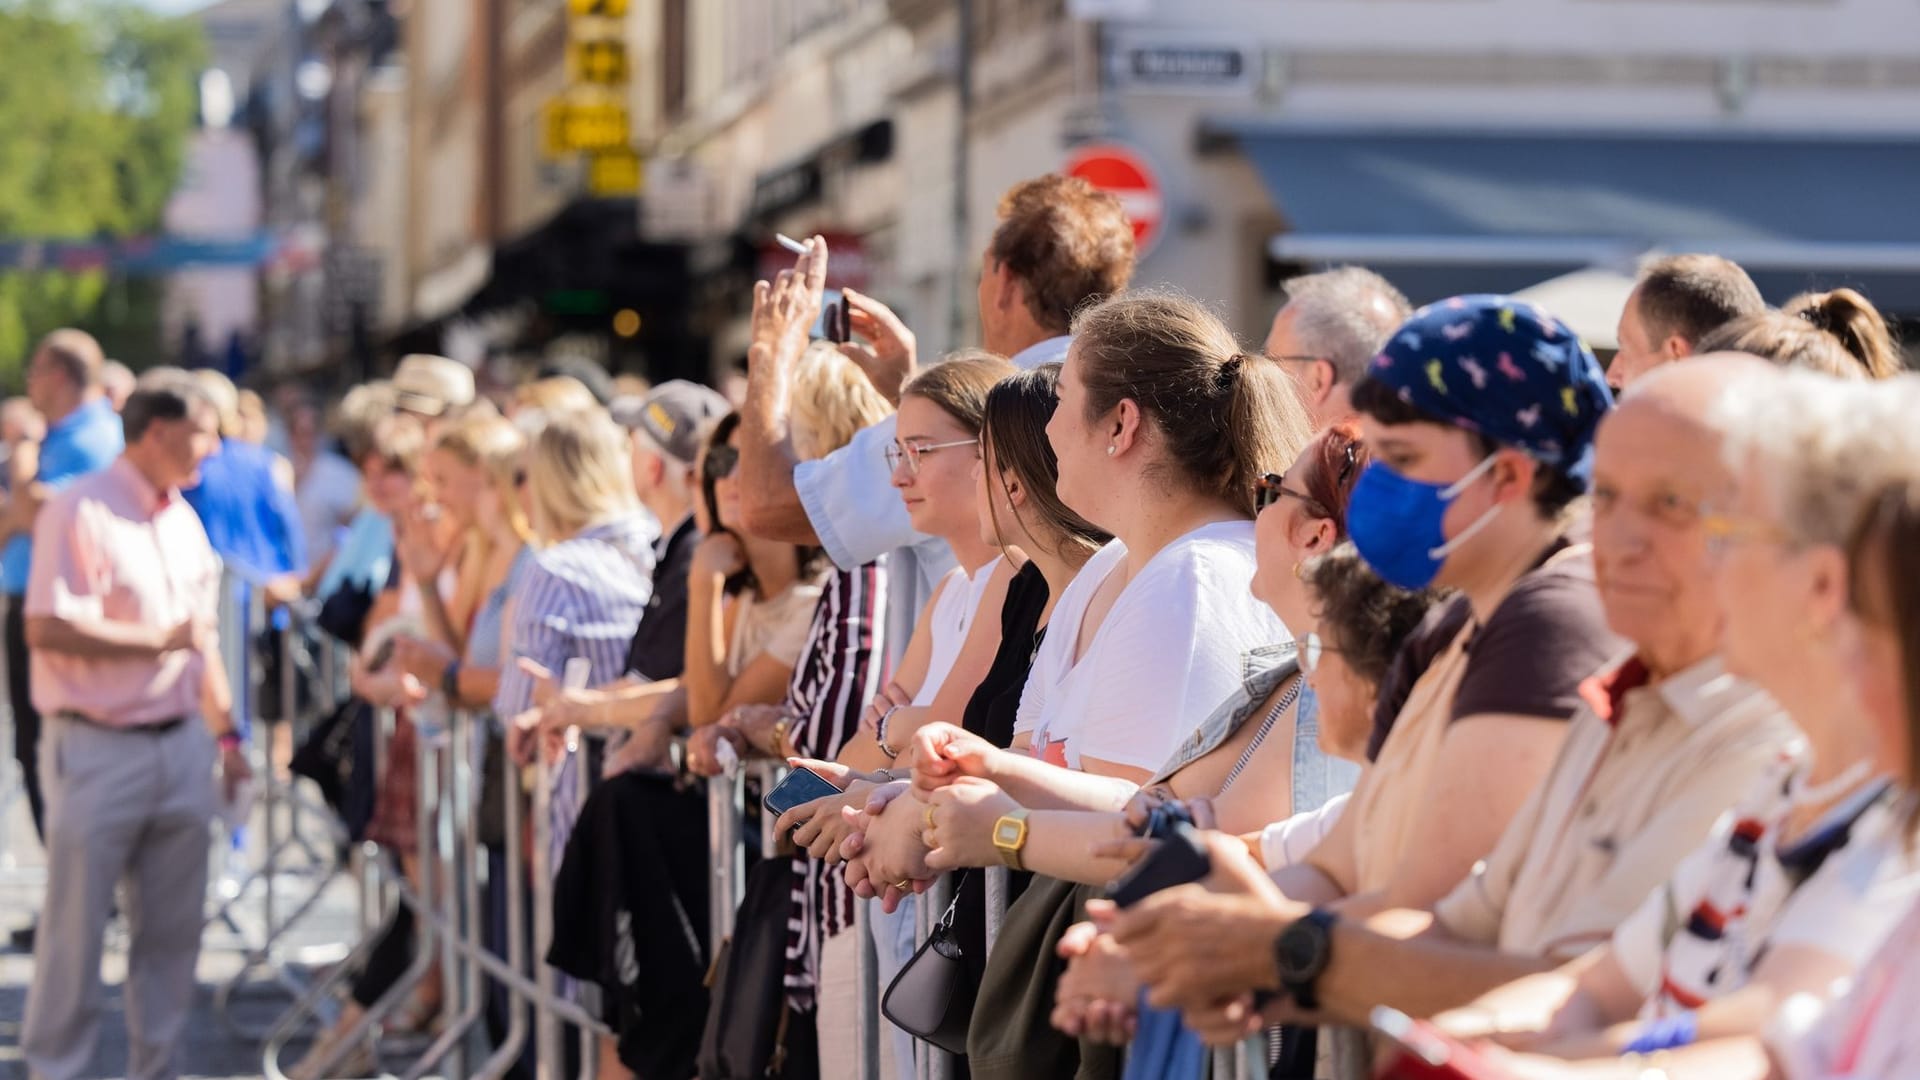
<point x="1801" y="202"/>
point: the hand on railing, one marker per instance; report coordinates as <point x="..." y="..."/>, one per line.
<point x="941" y="752"/>
<point x="892" y="696"/>
<point x="888" y="846"/>
<point x="703" y="758"/>
<point x="423" y="658"/>
<point x="1095" y="997"/>
<point x="959" y="823"/>
<point x="650" y="746"/>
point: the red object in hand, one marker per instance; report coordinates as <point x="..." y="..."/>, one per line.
<point x="1423" y="1052"/>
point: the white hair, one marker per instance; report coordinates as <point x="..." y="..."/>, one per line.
<point x="1823" y="446"/>
<point x="1345" y="316"/>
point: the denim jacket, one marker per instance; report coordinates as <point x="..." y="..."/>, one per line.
<point x="1316" y="776"/>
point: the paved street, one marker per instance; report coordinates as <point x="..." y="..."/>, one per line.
<point x="214" y="1048"/>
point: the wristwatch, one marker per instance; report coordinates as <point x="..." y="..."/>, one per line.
<point x="1302" y="953"/>
<point x="450" y="681"/>
<point x="1010" y="836"/>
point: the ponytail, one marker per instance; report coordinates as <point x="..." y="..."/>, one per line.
<point x="1856" y="324"/>
<point x="1225" y="417"/>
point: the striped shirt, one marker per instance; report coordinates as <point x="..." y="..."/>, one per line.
<point x="582" y="597"/>
<point x="840" y="671"/>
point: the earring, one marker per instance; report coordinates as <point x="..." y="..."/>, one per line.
<point x="1296" y="571"/>
<point x="1111" y="449"/>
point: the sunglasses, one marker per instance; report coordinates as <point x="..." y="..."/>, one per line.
<point x="1272" y="487"/>
<point x="721" y="461"/>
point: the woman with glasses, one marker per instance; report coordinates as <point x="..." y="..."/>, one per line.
<point x="935" y="457"/>
<point x="1266" y="731"/>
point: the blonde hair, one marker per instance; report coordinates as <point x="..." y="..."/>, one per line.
<point x="832" y="400"/>
<point x="556" y="393"/>
<point x="1856" y="324"/>
<point x="494" y="445"/>
<point x="579" y="473"/>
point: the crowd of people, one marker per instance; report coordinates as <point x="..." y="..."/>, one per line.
<point x="1424" y="695"/>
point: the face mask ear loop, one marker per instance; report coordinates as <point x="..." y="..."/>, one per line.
<point x="1453" y="492"/>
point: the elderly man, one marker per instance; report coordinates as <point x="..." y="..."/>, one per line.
<point x="1333" y="324"/>
<point x="1679" y="300"/>
<point x="82" y="436"/>
<point x="1665" y="743"/>
<point x="120" y="617"/>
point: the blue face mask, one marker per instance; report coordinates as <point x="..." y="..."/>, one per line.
<point x="1398" y="524"/>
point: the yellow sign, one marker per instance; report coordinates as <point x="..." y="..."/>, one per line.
<point x="614" y="172"/>
<point x="602" y="61"/>
<point x="610" y="9"/>
<point x="590" y="126"/>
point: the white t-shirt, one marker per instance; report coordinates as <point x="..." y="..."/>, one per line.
<point x="1167" y="654"/>
<point x="1286" y="842"/>
<point x="952" y="618"/>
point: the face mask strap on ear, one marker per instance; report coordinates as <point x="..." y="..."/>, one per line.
<point x="1453" y="492"/>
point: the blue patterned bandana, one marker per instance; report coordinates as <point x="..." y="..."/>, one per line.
<point x="1506" y="369"/>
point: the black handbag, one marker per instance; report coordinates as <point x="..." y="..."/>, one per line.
<point x="751" y="1032"/>
<point x="344" y="612"/>
<point x="932" y="997"/>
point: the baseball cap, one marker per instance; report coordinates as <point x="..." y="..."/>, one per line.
<point x="1504" y="368"/>
<point x="672" y="415"/>
<point x="430" y="385"/>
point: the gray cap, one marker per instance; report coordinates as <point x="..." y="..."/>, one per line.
<point x="673" y="415"/>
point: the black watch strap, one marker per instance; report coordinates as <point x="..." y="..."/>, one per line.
<point x="1302" y="953"/>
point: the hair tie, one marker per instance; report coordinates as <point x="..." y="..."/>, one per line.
<point x="1229" y="371"/>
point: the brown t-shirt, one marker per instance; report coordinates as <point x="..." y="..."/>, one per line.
<point x="1528" y="659"/>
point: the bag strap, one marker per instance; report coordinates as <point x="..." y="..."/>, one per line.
<point x="1266" y="727"/>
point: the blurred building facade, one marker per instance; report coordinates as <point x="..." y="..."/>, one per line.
<point x="1457" y="146"/>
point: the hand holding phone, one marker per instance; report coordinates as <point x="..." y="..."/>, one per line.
<point x="1180" y="859"/>
<point x="798" y="788"/>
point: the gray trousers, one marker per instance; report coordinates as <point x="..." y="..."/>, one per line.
<point x="130" y="806"/>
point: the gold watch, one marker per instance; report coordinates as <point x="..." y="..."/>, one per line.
<point x="1010" y="837"/>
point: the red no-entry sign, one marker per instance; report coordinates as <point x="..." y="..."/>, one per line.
<point x="1122" y="170"/>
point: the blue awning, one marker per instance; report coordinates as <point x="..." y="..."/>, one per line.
<point x="1413" y="196"/>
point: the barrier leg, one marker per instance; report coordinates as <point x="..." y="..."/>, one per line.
<point x="548" y="1055"/>
<point x="458" y="853"/>
<point x="509" y="1049"/>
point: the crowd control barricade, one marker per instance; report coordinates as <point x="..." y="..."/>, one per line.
<point x="282" y="855"/>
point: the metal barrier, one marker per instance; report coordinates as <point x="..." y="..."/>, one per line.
<point x="281" y="833"/>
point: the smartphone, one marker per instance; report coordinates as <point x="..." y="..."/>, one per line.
<point x="834" y="325"/>
<point x="1421" y="1051"/>
<point x="801" y="786"/>
<point x="1180" y="858"/>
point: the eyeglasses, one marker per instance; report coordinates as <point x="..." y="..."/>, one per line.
<point x="1725" y="530"/>
<point x="1271" y="488"/>
<point x="721" y="461"/>
<point x="911" y="453"/>
<point x="1313" y="648"/>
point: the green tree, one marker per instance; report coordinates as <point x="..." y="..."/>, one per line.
<point x="97" y="100"/>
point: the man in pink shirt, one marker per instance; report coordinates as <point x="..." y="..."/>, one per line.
<point x="120" y="613"/>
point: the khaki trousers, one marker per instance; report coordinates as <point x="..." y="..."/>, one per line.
<point x="128" y="806"/>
